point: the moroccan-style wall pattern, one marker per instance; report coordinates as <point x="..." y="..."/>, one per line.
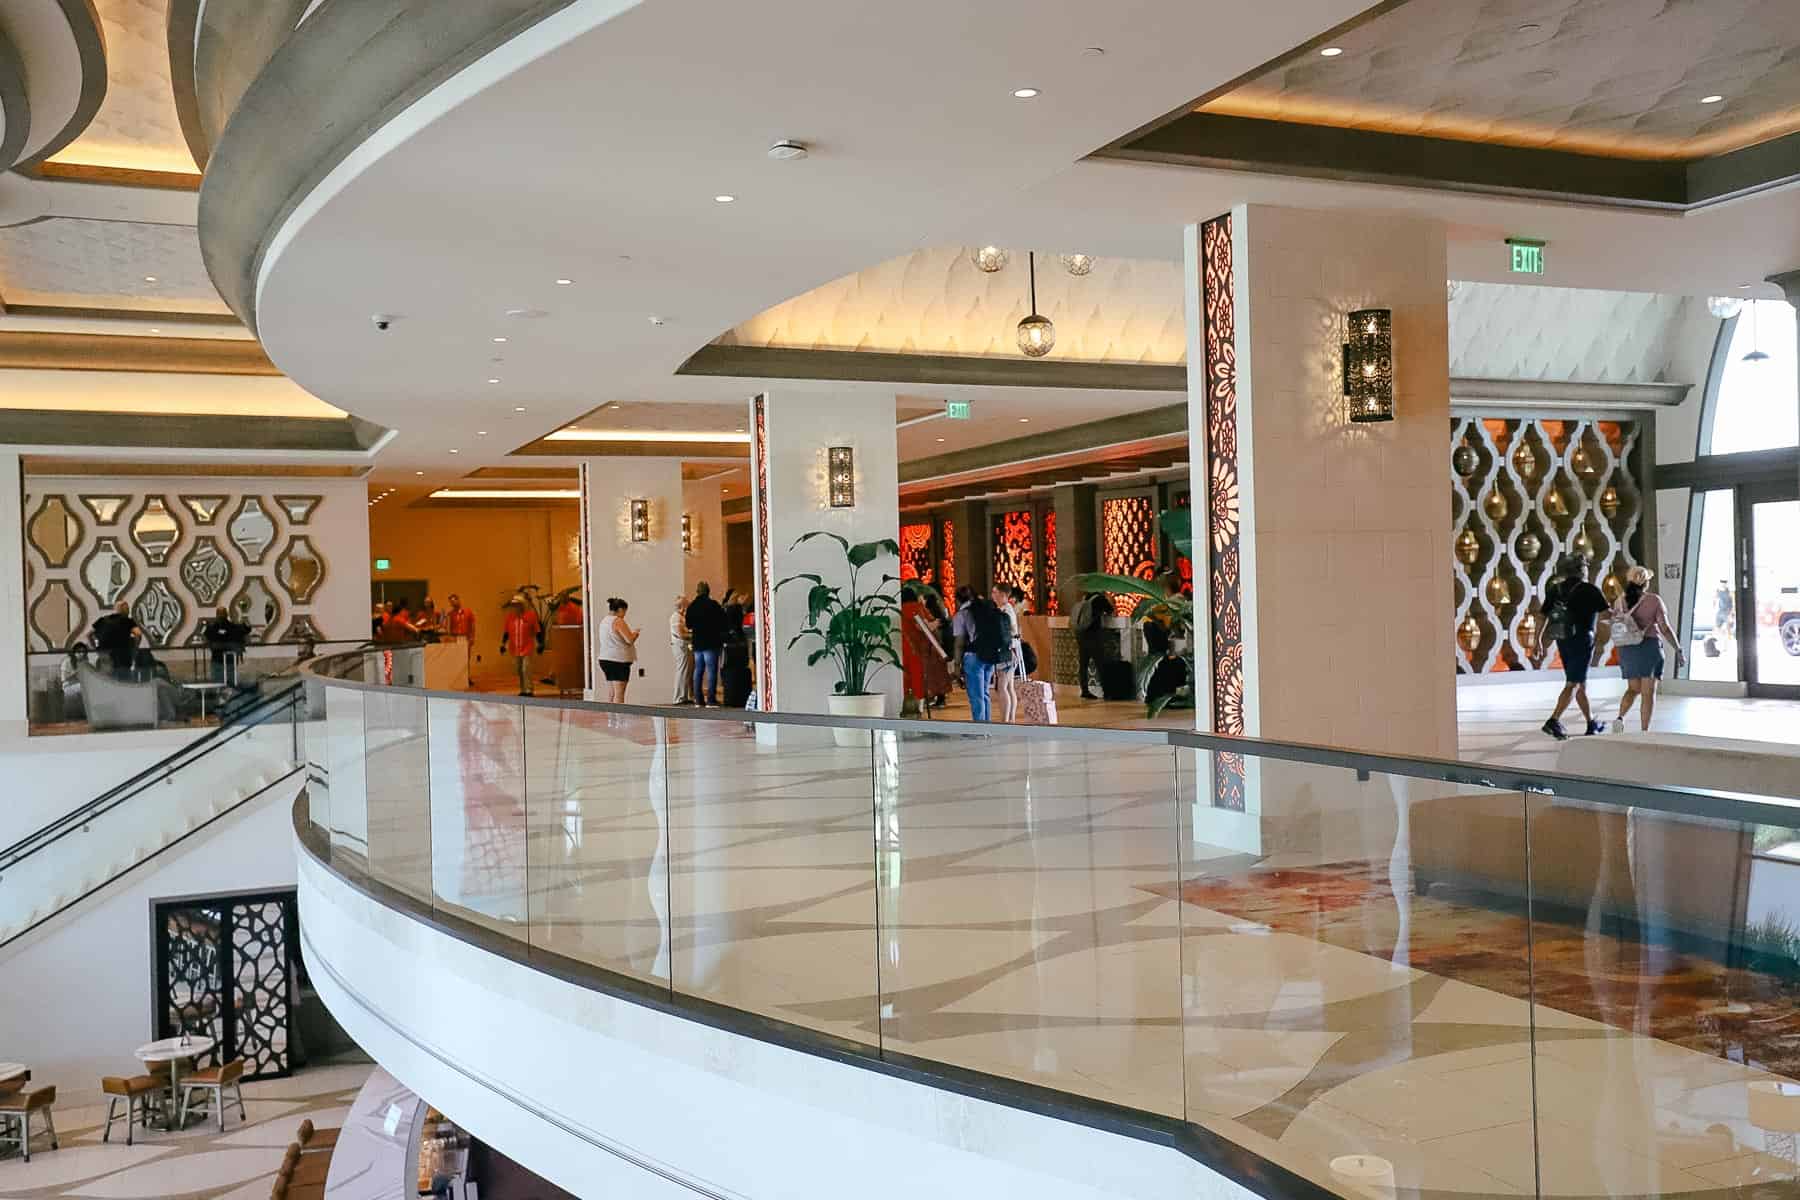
<point x="764" y="556"/>
<point x="172" y="556"/>
<point x="915" y="553"/>
<point x="1523" y="492"/>
<point x="1223" y="532"/>
<point x="1128" y="541"/>
<point x="1052" y="601"/>
<point x="1015" y="551"/>
<point x="947" y="559"/>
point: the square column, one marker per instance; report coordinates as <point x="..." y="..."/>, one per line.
<point x="13" y="699"/>
<point x="646" y="574"/>
<point x="791" y="436"/>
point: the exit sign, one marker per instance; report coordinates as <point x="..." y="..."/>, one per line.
<point x="956" y="410"/>
<point x="1527" y="256"/>
<point x="381" y="564"/>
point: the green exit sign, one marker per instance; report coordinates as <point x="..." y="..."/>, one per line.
<point x="381" y="564"/>
<point x="1527" y="256"/>
<point x="956" y="410"/>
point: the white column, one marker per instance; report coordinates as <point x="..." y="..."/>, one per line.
<point x="13" y="700"/>
<point x="792" y="433"/>
<point x="645" y="574"/>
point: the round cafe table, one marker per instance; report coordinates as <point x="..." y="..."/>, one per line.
<point x="174" y="1052"/>
<point x="13" y="1076"/>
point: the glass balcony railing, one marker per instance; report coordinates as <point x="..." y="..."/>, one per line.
<point x="1383" y="976"/>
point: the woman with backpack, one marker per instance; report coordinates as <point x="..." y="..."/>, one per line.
<point x="1639" y="624"/>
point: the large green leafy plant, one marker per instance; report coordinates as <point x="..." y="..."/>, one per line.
<point x="1172" y="608"/>
<point x="854" y="628"/>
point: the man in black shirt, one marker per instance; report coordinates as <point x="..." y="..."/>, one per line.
<point x="706" y="629"/>
<point x="116" y="636"/>
<point x="225" y="640"/>
<point x="1570" y="605"/>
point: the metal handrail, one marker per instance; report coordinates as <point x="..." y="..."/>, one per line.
<point x="1557" y="785"/>
<point x="258" y="714"/>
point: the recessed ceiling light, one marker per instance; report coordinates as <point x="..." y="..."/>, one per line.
<point x="493" y="381"/>
<point x="154" y="329"/>
<point x="1024" y="93"/>
<point x="418" y="472"/>
<point x="1530" y="27"/>
<point x="658" y="321"/>
<point x="940" y="439"/>
<point x="455" y="451"/>
<point x="1331" y="52"/>
<point x="499" y="339"/>
<point x="1024" y="420"/>
<point x="149" y="279"/>
<point x="1742" y="286"/>
<point x="481" y="433"/>
<point x="1094" y="51"/>
<point x="787" y="149"/>
<point x="564" y="282"/>
<point x="1714" y="99"/>
<point x="722" y="198"/>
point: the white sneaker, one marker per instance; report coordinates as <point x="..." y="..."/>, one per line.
<point x="1617" y="726"/>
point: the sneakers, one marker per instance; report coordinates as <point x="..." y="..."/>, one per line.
<point x="1594" y="727"/>
<point x="1554" y="728"/>
<point x="1618" y="726"/>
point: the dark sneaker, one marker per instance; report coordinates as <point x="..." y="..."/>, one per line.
<point x="1596" y="727"/>
<point x="1554" y="728"/>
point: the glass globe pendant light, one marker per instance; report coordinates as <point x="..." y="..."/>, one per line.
<point x="989" y="258"/>
<point x="1078" y="264"/>
<point x="1036" y="334"/>
<point x="1757" y="353"/>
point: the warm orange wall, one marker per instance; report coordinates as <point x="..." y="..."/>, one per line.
<point x="481" y="554"/>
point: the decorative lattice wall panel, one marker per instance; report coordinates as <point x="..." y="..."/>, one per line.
<point x="1523" y="492"/>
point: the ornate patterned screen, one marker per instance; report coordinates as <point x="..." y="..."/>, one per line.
<point x="225" y="970"/>
<point x="172" y="558"/>
<point x="765" y="566"/>
<point x="1223" y="535"/>
<point x="1052" y="602"/>
<point x="1523" y="492"/>
<point x="1184" y="566"/>
<point x="1128" y="542"/>
<point x="915" y="553"/>
<point x="1015" y="551"/>
<point x="947" y="561"/>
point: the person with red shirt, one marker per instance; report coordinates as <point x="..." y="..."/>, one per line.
<point x="519" y="639"/>
<point x="458" y="621"/>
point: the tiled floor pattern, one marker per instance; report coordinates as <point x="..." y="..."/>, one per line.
<point x="1054" y="911"/>
<point x="198" y="1163"/>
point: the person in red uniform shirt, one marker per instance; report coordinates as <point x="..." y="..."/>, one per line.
<point x="519" y="639"/>
<point x="457" y="620"/>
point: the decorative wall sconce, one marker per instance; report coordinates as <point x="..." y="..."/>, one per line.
<point x="1609" y="501"/>
<point x="1495" y="504"/>
<point x="1369" y="365"/>
<point x="840" y="469"/>
<point x="1468" y="546"/>
<point x="640" y="520"/>
<point x="687" y="533"/>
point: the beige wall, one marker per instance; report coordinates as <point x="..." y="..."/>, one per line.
<point x="700" y="498"/>
<point x="481" y="554"/>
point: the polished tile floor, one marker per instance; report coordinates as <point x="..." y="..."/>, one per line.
<point x="199" y="1163"/>
<point x="1078" y="914"/>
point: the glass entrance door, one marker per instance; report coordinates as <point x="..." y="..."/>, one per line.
<point x="1771" y="577"/>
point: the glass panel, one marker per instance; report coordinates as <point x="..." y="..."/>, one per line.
<point x="107" y="572"/>
<point x="1775" y="530"/>
<point x="346" y="745"/>
<point x="399" y="790"/>
<point x="1027" y="910"/>
<point x="54" y="531"/>
<point x="772" y="886"/>
<point x="478" y="812"/>
<point x="251" y="530"/>
<point x="1355" y="974"/>
<point x="1714" y="653"/>
<point x="206" y="571"/>
<point x="300" y="569"/>
<point x="599" y="813"/>
<point x="1756" y="407"/>
<point x="1668" y="960"/>
<point x="255" y="606"/>
<point x="154" y="530"/>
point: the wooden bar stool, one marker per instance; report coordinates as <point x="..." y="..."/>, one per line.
<point x="215" y="1080"/>
<point x="138" y="1091"/>
<point x="19" y="1106"/>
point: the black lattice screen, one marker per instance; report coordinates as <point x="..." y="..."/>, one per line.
<point x="225" y="970"/>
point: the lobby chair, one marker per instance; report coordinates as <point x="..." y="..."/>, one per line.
<point x="15" y="1115"/>
<point x="300" y="1177"/>
<point x="117" y="703"/>
<point x="141" y="1093"/>
<point x="215" y="1080"/>
<point x="314" y="1141"/>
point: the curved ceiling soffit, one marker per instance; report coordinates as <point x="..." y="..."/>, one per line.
<point x="343" y="74"/>
<point x="90" y="48"/>
<point x="233" y="43"/>
<point x="184" y="17"/>
<point x="15" y="104"/>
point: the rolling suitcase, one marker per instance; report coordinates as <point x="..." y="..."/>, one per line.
<point x="1117" y="680"/>
<point x="1037" y="703"/>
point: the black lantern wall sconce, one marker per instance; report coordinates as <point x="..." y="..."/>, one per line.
<point x="1369" y="365"/>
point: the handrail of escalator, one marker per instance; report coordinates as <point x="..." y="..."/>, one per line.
<point x="268" y="706"/>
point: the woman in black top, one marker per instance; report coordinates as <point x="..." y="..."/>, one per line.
<point x="1570" y="605"/>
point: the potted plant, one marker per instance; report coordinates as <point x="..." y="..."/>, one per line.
<point x="1174" y="609"/>
<point x="854" y="629"/>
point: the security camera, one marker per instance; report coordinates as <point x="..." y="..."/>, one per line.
<point x="383" y="323"/>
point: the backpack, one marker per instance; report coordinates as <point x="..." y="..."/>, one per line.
<point x="1087" y="617"/>
<point x="1625" y="628"/>
<point x="993" y="643"/>
<point x="1558" y="622"/>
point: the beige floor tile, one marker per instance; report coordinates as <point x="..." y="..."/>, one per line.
<point x="183" y="1174"/>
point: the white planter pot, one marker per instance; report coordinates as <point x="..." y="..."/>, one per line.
<point x="874" y="705"/>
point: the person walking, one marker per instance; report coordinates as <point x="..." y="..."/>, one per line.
<point x="518" y="637"/>
<point x="1090" y="637"/>
<point x="618" y="648"/>
<point x="937" y="625"/>
<point x="706" y="633"/>
<point x="1570" y="605"/>
<point x="681" y="649"/>
<point x="1011" y="669"/>
<point x="981" y="646"/>
<point x="1639" y="625"/>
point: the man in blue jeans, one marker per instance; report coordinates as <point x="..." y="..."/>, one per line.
<point x="981" y="643"/>
<point x="706" y="628"/>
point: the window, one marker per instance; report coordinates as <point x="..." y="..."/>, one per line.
<point x="1756" y="407"/>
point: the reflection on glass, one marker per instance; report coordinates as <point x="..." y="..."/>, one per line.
<point x="204" y="508"/>
<point x="1714" y="652"/>
<point x="345" y="749"/>
<point x="54" y="531"/>
<point x="158" y="612"/>
<point x="1775" y="537"/>
<point x="300" y="569"/>
<point x="771" y="875"/>
<point x="155" y="531"/>
<point x="299" y="509"/>
<point x="599" y="816"/>
<point x="477" y="752"/>
<point x="56" y="618"/>
<point x="251" y="530"/>
<point x="255" y="605"/>
<point x="398" y="785"/>
<point x="206" y="571"/>
<point x="107" y="572"/>
<point x="106" y="509"/>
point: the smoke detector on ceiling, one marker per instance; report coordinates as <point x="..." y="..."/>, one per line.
<point x="787" y="149"/>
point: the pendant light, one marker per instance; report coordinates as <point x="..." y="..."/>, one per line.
<point x="1757" y="354"/>
<point x="1037" y="336"/>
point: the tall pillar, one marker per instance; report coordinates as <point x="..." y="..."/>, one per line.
<point x="646" y="573"/>
<point x="791" y="436"/>
<point x="13" y="699"/>
<point x="1325" y="545"/>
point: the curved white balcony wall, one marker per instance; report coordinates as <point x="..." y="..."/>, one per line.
<point x="604" y="1096"/>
